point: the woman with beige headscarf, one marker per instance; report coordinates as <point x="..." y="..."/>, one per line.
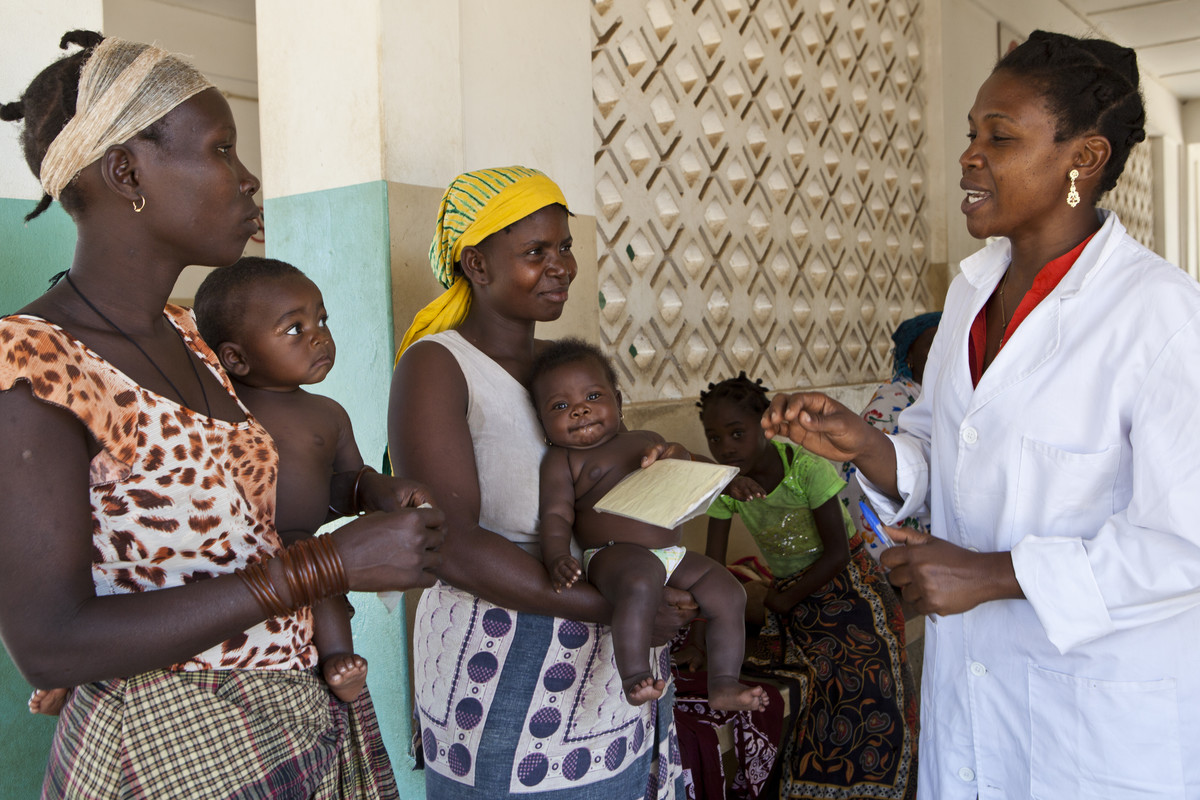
<point x="516" y="689"/>
<point x="138" y="556"/>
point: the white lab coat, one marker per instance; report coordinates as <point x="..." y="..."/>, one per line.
<point x="1079" y="452"/>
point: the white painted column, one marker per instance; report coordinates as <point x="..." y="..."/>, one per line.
<point x="366" y="113"/>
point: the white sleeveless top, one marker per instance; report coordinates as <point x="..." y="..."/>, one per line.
<point x="508" y="440"/>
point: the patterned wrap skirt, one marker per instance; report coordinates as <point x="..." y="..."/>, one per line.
<point x="528" y="706"/>
<point x="856" y="736"/>
<point x="217" y="733"/>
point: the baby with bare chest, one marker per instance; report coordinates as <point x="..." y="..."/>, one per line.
<point x="629" y="562"/>
<point x="267" y="323"/>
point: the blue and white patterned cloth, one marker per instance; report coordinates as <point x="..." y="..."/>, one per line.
<point x="483" y="672"/>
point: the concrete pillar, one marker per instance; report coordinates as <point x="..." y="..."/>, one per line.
<point x="366" y="115"/>
<point x="326" y="210"/>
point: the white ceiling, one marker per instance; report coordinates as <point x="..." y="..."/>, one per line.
<point x="1165" y="33"/>
<point x="241" y="10"/>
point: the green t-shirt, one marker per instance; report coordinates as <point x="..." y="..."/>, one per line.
<point x="782" y="523"/>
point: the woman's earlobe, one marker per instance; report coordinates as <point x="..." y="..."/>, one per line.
<point x="474" y="266"/>
<point x="119" y="173"/>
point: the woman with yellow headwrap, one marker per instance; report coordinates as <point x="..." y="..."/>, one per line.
<point x="516" y="689"/>
<point x="139" y="560"/>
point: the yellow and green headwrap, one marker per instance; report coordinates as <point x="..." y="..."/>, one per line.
<point x="476" y="205"/>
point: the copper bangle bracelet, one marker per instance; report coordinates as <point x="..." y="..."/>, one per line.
<point x="258" y="581"/>
<point x="354" y="492"/>
<point x="355" y="508"/>
<point x="313" y="570"/>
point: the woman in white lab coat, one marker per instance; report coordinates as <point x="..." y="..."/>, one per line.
<point x="1054" y="445"/>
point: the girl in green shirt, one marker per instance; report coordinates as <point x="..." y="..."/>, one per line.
<point x="833" y="622"/>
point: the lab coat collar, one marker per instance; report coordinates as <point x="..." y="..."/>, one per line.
<point x="984" y="268"/>
<point x="1038" y="337"/>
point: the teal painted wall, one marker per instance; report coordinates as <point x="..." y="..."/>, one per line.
<point x="25" y="742"/>
<point x="340" y="238"/>
<point x="29" y="254"/>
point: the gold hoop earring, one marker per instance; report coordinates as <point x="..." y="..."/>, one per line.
<point x="138" y="209"/>
<point x="1073" y="193"/>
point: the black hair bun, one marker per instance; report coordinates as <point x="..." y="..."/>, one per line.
<point x="11" y="112"/>
<point x="82" y="38"/>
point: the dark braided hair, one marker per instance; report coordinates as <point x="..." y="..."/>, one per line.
<point x="748" y="395"/>
<point x="48" y="104"/>
<point x="1090" y="85"/>
<point x="221" y="299"/>
<point x="571" y="351"/>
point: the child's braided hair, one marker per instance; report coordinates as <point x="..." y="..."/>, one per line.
<point x="749" y="395"/>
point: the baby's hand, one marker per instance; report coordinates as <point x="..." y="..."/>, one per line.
<point x="661" y="450"/>
<point x="564" y="572"/>
<point x="744" y="488"/>
<point x="388" y="493"/>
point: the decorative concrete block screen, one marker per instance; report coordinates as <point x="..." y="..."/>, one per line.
<point x="1133" y="197"/>
<point x="761" y="189"/>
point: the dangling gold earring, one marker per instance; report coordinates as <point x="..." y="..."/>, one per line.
<point x="138" y="209"/>
<point x="1073" y="193"/>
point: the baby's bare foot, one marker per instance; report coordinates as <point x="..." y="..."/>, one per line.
<point x="48" y="701"/>
<point x="643" y="688"/>
<point x="346" y="674"/>
<point x="729" y="694"/>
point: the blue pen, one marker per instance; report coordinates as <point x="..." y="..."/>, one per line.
<point x="873" y="520"/>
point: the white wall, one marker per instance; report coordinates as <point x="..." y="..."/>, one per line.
<point x="28" y="44"/>
<point x="1164" y="126"/>
<point x="423" y="94"/>
<point x="482" y="84"/>
<point x="219" y="46"/>
<point x="528" y="90"/>
<point x="322" y="111"/>
<point x="1190" y="118"/>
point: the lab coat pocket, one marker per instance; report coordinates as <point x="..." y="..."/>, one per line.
<point x="1103" y="740"/>
<point x="1062" y="493"/>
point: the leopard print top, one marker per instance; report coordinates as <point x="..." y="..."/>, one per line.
<point x="176" y="496"/>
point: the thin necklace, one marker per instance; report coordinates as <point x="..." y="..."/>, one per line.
<point x="1004" y="318"/>
<point x="153" y="363"/>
